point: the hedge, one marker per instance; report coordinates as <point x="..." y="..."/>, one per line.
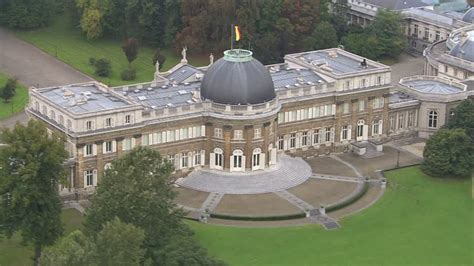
<point x="350" y="200"/>
<point x="258" y="218"/>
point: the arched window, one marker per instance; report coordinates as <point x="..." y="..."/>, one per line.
<point x="107" y="166"/>
<point x="237" y="159"/>
<point x="432" y="119"/>
<point x="218" y="157"/>
<point x="52" y="115"/>
<point x="256" y="157"/>
<point x="61" y="120"/>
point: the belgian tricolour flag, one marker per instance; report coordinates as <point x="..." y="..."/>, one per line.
<point x="237" y="33"/>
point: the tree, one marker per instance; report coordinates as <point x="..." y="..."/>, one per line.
<point x="362" y="44"/>
<point x="74" y="249"/>
<point x="91" y="23"/>
<point x="448" y="153"/>
<point x="26" y="14"/>
<point x="117" y="243"/>
<point x="388" y="29"/>
<point x="31" y="167"/>
<point x="157" y="56"/>
<point x="137" y="190"/>
<point x="9" y="90"/>
<point x="463" y="118"/>
<point x="324" y="36"/>
<point x="102" y="67"/>
<point x="130" y="49"/>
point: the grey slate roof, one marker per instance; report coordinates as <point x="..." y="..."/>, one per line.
<point x="432" y="15"/>
<point x="400" y="97"/>
<point x="340" y="64"/>
<point x="432" y="86"/>
<point x="82" y="99"/>
<point x="465" y="48"/>
<point x="284" y="79"/>
<point x="182" y="73"/>
<point x="396" y="4"/>
<point x="237" y="83"/>
<point x="161" y="96"/>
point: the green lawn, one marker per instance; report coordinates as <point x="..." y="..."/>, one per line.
<point x="69" y="45"/>
<point x="13" y="253"/>
<point x="17" y="103"/>
<point x="419" y="221"/>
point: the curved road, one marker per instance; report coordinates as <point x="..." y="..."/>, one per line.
<point x="32" y="67"/>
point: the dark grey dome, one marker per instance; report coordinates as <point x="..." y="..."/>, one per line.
<point x="237" y="78"/>
<point x="465" y="48"/>
<point x="469" y="16"/>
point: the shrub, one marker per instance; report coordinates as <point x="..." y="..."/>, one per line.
<point x="102" y="67"/>
<point x="128" y="74"/>
<point x="92" y="61"/>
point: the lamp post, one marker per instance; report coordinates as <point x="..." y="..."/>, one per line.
<point x="398" y="158"/>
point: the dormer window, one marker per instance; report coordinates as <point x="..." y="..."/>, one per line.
<point x="108" y="122"/>
<point x="89" y="125"/>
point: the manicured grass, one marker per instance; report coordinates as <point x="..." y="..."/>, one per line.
<point x="12" y="252"/>
<point x="419" y="221"/>
<point x="17" y="103"/>
<point x="69" y="45"/>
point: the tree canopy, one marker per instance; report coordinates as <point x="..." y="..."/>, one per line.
<point x="137" y="190"/>
<point x="383" y="37"/>
<point x="31" y="167"/>
<point x="8" y="91"/>
<point x="26" y="14"/>
<point x="116" y="244"/>
<point x="449" y="153"/>
<point x="463" y="117"/>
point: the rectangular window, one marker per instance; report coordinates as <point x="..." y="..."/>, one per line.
<point x="345" y="108"/>
<point x="281" y="118"/>
<point x="361" y="105"/>
<point x="328" y="134"/>
<point x="379" y="80"/>
<point x="304" y="139"/>
<point x="392" y="123"/>
<point x="108" y="122"/>
<point x="197" y="158"/>
<point x="238" y="134"/>
<point x="344" y="130"/>
<point x="375" y="127"/>
<point x="257" y="133"/>
<point x="411" y="119"/>
<point x="128" y="119"/>
<point x="145" y="140"/>
<point x="89" y="125"/>
<point x="438" y="36"/>
<point x="89" y="178"/>
<point x="401" y="121"/>
<point x="89" y="150"/>
<point x="127" y="144"/>
<point x="218" y="132"/>
<point x="184" y="160"/>
<point x="378" y="103"/>
<point x="292" y="140"/>
<point x="281" y="143"/>
<point x="316" y="137"/>
<point x="108" y="146"/>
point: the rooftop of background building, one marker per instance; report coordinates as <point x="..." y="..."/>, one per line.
<point x="335" y="61"/>
<point x="83" y="98"/>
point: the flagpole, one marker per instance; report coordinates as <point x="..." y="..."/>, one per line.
<point x="232" y="37"/>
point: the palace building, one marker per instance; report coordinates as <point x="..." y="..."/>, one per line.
<point x="237" y="115"/>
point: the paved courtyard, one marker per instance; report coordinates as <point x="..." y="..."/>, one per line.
<point x="289" y="172"/>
